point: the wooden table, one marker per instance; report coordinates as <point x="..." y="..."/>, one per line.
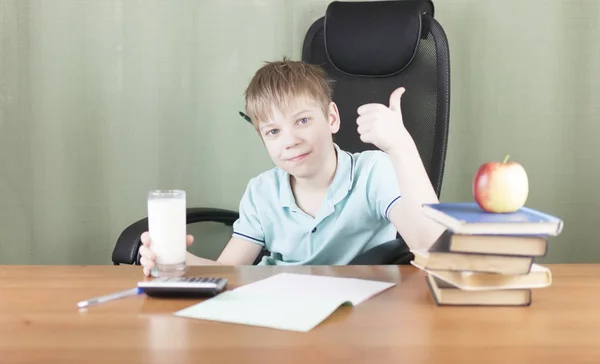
<point x="40" y="323"/>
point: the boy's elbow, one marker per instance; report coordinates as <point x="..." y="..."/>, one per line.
<point x="427" y="236"/>
<point x="418" y="231"/>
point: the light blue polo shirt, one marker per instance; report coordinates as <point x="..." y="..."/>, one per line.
<point x="352" y="219"/>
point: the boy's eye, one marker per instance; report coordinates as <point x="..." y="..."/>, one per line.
<point x="272" y="132"/>
<point x="303" y="120"/>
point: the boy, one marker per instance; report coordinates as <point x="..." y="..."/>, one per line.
<point x="320" y="204"/>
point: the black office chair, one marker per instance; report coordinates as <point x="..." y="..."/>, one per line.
<point x="368" y="49"/>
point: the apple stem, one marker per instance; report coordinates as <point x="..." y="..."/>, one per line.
<point x="506" y="158"/>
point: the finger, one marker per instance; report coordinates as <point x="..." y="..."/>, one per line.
<point x="147" y="253"/>
<point x="145" y="238"/>
<point x="363" y="129"/>
<point x="146" y="271"/>
<point x="366" y="119"/>
<point x="147" y="263"/>
<point x="367" y="137"/>
<point x="395" y="98"/>
<point x="189" y="240"/>
<point x="368" y="108"/>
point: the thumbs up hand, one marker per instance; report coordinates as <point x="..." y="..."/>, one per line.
<point x="382" y="126"/>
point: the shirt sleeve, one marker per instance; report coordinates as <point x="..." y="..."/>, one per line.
<point x="382" y="187"/>
<point x="248" y="225"/>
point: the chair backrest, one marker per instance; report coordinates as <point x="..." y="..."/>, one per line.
<point x="371" y="48"/>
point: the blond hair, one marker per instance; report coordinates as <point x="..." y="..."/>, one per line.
<point x="280" y="84"/>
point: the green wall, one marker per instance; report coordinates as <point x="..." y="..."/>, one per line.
<point x="101" y="101"/>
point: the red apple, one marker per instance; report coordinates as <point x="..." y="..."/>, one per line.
<point x="501" y="187"/>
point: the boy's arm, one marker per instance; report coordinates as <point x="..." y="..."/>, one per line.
<point x="419" y="231"/>
<point x="237" y="252"/>
<point x="248" y="236"/>
<point x="384" y="127"/>
<point x="192" y="259"/>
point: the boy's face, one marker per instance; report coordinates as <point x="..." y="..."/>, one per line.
<point x="300" y="138"/>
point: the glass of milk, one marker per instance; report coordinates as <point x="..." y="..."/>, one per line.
<point x="167" y="229"/>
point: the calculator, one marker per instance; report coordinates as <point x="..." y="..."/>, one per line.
<point x="183" y="287"/>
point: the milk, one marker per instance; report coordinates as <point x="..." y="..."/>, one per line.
<point x="167" y="228"/>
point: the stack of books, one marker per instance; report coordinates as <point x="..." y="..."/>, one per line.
<point x="485" y="258"/>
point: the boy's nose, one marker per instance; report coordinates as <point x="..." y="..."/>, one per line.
<point x="291" y="140"/>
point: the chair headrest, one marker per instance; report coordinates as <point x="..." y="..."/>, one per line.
<point x="372" y="38"/>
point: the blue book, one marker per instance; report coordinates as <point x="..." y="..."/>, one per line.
<point x="469" y="218"/>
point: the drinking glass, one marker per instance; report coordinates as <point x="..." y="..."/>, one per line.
<point x="167" y="229"/>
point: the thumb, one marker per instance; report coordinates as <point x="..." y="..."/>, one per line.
<point x="395" y="99"/>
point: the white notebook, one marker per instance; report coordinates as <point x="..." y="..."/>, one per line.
<point x="286" y="301"/>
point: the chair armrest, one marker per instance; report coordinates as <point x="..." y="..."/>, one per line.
<point x="393" y="252"/>
<point x="128" y="244"/>
<point x="200" y="214"/>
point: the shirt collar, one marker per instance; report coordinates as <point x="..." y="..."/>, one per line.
<point x="344" y="176"/>
<point x="339" y="187"/>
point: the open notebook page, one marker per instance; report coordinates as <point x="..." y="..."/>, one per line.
<point x="345" y="289"/>
<point x="285" y="301"/>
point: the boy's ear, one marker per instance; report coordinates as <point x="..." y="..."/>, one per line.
<point x="333" y="117"/>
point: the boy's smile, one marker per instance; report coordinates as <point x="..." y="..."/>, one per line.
<point x="299" y="158"/>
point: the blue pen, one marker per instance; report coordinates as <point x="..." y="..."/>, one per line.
<point x="109" y="297"/>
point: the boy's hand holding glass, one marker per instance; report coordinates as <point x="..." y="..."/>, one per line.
<point x="148" y="258"/>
